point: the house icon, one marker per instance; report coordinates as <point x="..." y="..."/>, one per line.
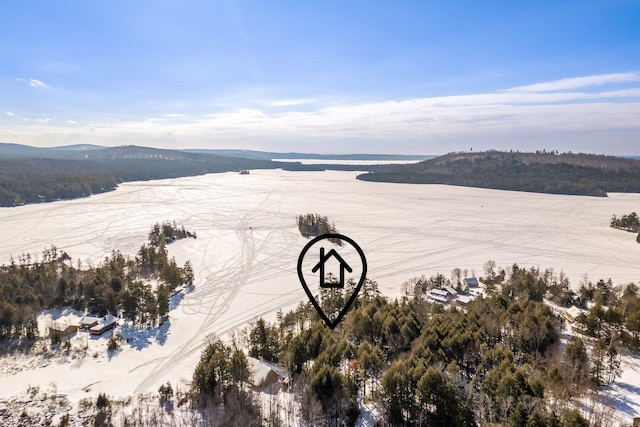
<point x="321" y="266"/>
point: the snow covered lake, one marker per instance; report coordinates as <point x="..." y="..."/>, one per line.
<point x="247" y="248"/>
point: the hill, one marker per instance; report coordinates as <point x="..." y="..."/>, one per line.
<point x="268" y="155"/>
<point x="33" y="175"/>
<point x="540" y="172"/>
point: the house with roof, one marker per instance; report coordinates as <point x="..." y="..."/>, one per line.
<point x="62" y="329"/>
<point x="88" y="321"/>
<point x="321" y="266"/>
<point x="104" y="324"/>
<point x="265" y="376"/>
<point x="470" y="282"/>
<point x="451" y="290"/>
<point x="465" y="299"/>
<point x="571" y="314"/>
<point x="438" y="295"/>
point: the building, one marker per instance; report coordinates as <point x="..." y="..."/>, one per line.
<point x="106" y="323"/>
<point x="470" y="282"/>
<point x="265" y="376"/>
<point x="451" y="291"/>
<point x="465" y="300"/>
<point x="62" y="330"/>
<point x="438" y="295"/>
<point x="571" y="314"/>
<point x="88" y="322"/>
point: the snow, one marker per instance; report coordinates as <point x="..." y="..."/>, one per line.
<point x="244" y="258"/>
<point x="347" y="162"/>
<point x="624" y="394"/>
<point x="465" y="299"/>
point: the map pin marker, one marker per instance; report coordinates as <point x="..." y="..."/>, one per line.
<point x="321" y="254"/>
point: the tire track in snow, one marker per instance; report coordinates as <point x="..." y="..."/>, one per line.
<point x="221" y="289"/>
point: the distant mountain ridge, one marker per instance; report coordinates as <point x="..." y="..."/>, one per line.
<point x="269" y="155"/>
<point x="34" y="175"/>
<point x="11" y="150"/>
<point x="540" y="172"/>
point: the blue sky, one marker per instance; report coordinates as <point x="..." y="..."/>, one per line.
<point x="332" y="76"/>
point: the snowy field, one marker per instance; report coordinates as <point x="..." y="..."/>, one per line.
<point x="247" y="247"/>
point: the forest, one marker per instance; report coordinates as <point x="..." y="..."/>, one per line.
<point x="45" y="176"/>
<point x="31" y="284"/>
<point x="504" y="360"/>
<point x="540" y="172"/>
<point x="31" y="175"/>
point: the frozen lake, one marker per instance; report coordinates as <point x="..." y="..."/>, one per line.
<point x="248" y="244"/>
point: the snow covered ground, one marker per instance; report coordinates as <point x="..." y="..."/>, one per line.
<point x="347" y="162"/>
<point x="245" y="255"/>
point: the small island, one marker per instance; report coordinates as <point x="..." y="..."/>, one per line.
<point x="629" y="222"/>
<point x="312" y="225"/>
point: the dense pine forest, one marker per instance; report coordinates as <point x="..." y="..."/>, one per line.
<point x="35" y="175"/>
<point x="540" y="172"/>
<point x="38" y="175"/>
<point x="31" y="284"/>
<point x="504" y="360"/>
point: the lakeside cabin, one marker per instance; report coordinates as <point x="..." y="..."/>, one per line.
<point x="465" y="300"/>
<point x="265" y="376"/>
<point x="470" y="282"/>
<point x="438" y="295"/>
<point x="571" y="314"/>
<point x="104" y="324"/>
<point x="88" y="322"/>
<point x="62" y="330"/>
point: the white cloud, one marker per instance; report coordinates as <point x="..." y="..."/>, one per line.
<point x="606" y="119"/>
<point x="10" y="114"/>
<point x="579" y="82"/>
<point x="34" y="83"/>
<point x="292" y="102"/>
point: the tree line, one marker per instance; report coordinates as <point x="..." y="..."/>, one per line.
<point x="39" y="179"/>
<point x="566" y="173"/>
<point x="29" y="285"/>
<point x="497" y="361"/>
